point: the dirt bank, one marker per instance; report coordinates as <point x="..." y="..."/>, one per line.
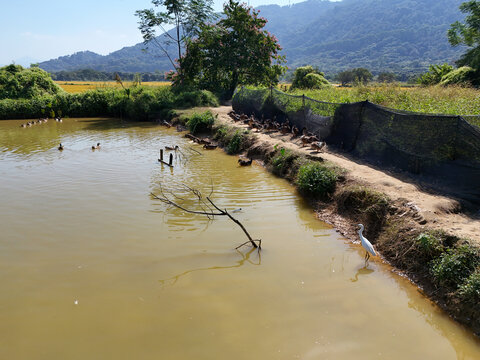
<point x="434" y="211"/>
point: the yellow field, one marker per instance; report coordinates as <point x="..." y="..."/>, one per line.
<point x="74" y="87"/>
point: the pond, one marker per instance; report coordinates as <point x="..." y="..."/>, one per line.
<point x="93" y="267"/>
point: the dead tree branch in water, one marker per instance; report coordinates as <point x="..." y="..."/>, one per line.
<point x="209" y="209"/>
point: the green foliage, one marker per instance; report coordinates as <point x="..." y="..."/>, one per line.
<point x="468" y="34"/>
<point x="283" y="161"/>
<point x="194" y="98"/>
<point x="235" y="144"/>
<point x="94" y="75"/>
<point x="462" y="75"/>
<point x="469" y="291"/>
<point x="202" y="122"/>
<point x="454" y="265"/>
<point x="19" y="83"/>
<point x="316" y="179"/>
<point x="430" y="245"/>
<point x="306" y="77"/>
<point x="355" y="76"/>
<point x="435" y="74"/>
<point x="187" y="16"/>
<point x="386" y="77"/>
<point x="216" y="60"/>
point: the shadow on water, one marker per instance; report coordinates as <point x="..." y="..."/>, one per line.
<point x="245" y="257"/>
<point x="362" y="272"/>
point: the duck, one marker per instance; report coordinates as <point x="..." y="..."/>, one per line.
<point x="172" y="148"/>
<point x="245" y="162"/>
<point x="60" y="147"/>
<point x="318" y="145"/>
<point x="209" y="146"/>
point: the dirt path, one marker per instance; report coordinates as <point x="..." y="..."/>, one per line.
<point x="438" y="212"/>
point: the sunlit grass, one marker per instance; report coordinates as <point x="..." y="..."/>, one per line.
<point x="433" y="99"/>
<point x="74" y="87"/>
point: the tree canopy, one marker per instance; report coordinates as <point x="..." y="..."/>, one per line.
<point x="307" y="77"/>
<point x="468" y="34"/>
<point x="236" y="50"/>
<point x="17" y="82"/>
<point x="186" y="16"/>
<point x="357" y="75"/>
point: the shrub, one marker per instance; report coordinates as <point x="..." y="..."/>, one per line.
<point x="306" y="77"/>
<point x="194" y="98"/>
<point x="282" y="161"/>
<point x="197" y="123"/>
<point x="453" y="266"/>
<point x="469" y="291"/>
<point x="235" y="144"/>
<point x="429" y="245"/>
<point x="316" y="179"/>
<point x="462" y="75"/>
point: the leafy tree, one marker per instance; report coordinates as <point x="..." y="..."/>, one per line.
<point x="357" y="75"/>
<point x="387" y="77"/>
<point x="185" y="15"/>
<point x="236" y="50"/>
<point x="468" y="34"/>
<point x="19" y="83"/>
<point x="462" y="75"/>
<point x="306" y="77"/>
<point x="435" y="74"/>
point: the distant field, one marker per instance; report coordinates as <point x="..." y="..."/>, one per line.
<point x="74" y="87"/>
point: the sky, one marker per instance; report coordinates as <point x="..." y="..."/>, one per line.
<point x="33" y="31"/>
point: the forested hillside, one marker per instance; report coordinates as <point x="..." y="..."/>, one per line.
<point x="403" y="36"/>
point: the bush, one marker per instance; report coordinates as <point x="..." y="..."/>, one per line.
<point x="306" y="77"/>
<point x="282" y="162"/>
<point x="316" y="179"/>
<point x="453" y="266"/>
<point x="469" y="291"/>
<point x="429" y="245"/>
<point x="197" y="123"/>
<point x="194" y="98"/>
<point x="462" y="75"/>
<point x="235" y="144"/>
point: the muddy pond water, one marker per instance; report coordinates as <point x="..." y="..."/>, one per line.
<point x="93" y="267"/>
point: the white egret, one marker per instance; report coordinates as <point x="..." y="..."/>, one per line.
<point x="366" y="244"/>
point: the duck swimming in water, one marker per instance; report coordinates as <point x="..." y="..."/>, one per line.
<point x="60" y="147"/>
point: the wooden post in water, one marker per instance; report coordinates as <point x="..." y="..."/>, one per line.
<point x="170" y="160"/>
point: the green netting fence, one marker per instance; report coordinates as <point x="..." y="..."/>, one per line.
<point x="445" y="147"/>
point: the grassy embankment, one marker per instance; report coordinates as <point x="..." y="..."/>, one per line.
<point x="433" y="99"/>
<point x="445" y="266"/>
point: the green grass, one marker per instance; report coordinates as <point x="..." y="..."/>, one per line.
<point x="453" y="100"/>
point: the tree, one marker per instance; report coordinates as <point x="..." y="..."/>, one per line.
<point x="357" y="75"/>
<point x="306" y="77"/>
<point x="387" y="77"/>
<point x="185" y="15"/>
<point x="435" y="74"/>
<point x="236" y="50"/>
<point x="468" y="34"/>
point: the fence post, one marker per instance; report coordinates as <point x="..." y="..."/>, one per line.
<point x="303" y="105"/>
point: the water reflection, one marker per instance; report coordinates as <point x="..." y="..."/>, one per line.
<point x="361" y="272"/>
<point x="245" y="257"/>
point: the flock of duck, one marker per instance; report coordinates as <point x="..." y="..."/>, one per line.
<point x="39" y="121"/>
<point x="97" y="147"/>
<point x="272" y="125"/>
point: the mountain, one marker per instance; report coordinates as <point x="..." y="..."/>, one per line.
<point x="403" y="36"/>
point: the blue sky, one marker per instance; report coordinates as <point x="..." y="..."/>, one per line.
<point x="33" y="31"/>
